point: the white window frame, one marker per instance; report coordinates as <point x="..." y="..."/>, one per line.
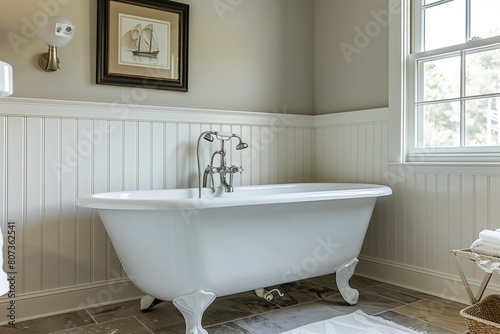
<point x="443" y="154"/>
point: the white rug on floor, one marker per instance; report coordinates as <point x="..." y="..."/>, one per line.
<point x="354" y="323"/>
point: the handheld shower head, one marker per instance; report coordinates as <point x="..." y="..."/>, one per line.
<point x="208" y="136"/>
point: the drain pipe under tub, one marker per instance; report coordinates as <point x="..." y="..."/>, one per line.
<point x="267" y="295"/>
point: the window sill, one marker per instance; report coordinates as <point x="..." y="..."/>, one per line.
<point x="456" y="157"/>
<point x="447" y="167"/>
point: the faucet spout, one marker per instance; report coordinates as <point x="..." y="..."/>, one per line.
<point x="227" y="187"/>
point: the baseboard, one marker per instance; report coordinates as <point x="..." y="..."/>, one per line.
<point x="56" y="301"/>
<point x="422" y="280"/>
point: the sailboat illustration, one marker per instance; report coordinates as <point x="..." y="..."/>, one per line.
<point x="144" y="44"/>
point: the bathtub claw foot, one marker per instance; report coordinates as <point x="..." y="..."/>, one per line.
<point x="343" y="276"/>
<point x="192" y="307"/>
<point x="148" y="302"/>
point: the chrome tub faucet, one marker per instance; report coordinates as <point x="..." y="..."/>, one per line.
<point x="223" y="170"/>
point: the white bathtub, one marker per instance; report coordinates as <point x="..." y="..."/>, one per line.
<point x="175" y="246"/>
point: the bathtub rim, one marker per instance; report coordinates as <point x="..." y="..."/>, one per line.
<point x="119" y="200"/>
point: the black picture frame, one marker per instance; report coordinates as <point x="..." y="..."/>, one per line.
<point x="143" y="43"/>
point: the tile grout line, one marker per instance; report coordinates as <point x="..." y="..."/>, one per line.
<point x="135" y="317"/>
<point x="91" y="316"/>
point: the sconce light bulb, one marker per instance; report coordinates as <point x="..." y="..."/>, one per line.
<point x="56" y="32"/>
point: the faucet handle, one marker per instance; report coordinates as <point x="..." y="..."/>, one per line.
<point x="234" y="169"/>
<point x="211" y="170"/>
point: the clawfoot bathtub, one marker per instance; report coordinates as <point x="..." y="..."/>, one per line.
<point x="178" y="247"/>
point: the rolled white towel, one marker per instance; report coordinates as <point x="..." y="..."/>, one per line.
<point x="484" y="247"/>
<point x="490" y="236"/>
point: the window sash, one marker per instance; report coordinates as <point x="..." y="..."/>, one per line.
<point x="419" y="9"/>
<point x="415" y="97"/>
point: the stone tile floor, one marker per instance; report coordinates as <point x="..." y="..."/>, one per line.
<point x="244" y="313"/>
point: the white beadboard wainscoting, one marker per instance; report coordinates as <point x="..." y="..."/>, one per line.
<point x="54" y="151"/>
<point x="434" y="209"/>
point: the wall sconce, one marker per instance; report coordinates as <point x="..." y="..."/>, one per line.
<point x="6" y="83"/>
<point x="57" y="32"/>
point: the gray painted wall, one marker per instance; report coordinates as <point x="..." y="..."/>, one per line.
<point x="254" y="55"/>
<point x="351" y="55"/>
<point x="257" y="55"/>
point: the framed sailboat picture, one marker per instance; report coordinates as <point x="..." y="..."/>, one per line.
<point x="143" y="43"/>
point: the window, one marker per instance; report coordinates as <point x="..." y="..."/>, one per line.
<point x="454" y="81"/>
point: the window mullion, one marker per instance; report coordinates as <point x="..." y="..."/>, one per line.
<point x="419" y="121"/>
<point x="462" y="95"/>
<point x="411" y="110"/>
